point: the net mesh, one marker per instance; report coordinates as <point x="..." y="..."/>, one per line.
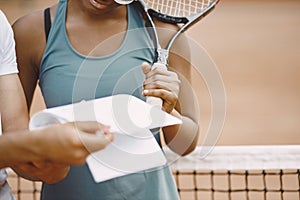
<point x="179" y="8"/>
<point x="239" y="185"/>
<point x="239" y="172"/>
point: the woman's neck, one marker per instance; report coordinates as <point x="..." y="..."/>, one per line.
<point x="87" y="30"/>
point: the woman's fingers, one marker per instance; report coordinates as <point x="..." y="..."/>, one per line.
<point x="146" y="68"/>
<point x="169" y="98"/>
<point x="161" y="83"/>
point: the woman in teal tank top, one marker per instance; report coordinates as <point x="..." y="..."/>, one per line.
<point x="84" y="59"/>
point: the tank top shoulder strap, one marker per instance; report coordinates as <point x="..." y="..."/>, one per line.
<point x="135" y="16"/>
<point x="47" y="22"/>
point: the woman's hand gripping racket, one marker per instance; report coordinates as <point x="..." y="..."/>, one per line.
<point x="182" y="12"/>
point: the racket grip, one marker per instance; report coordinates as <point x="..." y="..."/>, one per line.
<point x="155" y="101"/>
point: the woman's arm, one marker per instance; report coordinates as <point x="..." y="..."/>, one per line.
<point x="177" y="92"/>
<point x="28" y="37"/>
<point x="183" y="138"/>
<point x="30" y="45"/>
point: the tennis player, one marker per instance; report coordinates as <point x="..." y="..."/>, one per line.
<point x="93" y="49"/>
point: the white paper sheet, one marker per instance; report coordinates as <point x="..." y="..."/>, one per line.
<point x="134" y="147"/>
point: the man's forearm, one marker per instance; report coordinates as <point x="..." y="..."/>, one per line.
<point x="15" y="147"/>
<point x="18" y="149"/>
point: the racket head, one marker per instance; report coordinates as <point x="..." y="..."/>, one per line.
<point x="179" y="11"/>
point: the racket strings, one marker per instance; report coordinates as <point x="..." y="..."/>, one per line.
<point x="179" y="8"/>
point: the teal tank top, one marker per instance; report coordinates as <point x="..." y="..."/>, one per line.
<point x="67" y="77"/>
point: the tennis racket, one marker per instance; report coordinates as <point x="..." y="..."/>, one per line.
<point x="185" y="13"/>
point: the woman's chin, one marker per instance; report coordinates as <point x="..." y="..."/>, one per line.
<point x="101" y="3"/>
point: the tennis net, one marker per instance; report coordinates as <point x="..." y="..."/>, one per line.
<point x="228" y="172"/>
<point x="239" y="172"/>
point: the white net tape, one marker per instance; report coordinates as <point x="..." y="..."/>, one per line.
<point x="239" y="158"/>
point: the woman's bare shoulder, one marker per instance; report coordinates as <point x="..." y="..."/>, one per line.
<point x="30" y="37"/>
<point x="29" y="25"/>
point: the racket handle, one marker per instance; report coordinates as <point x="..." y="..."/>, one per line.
<point x="155" y="101"/>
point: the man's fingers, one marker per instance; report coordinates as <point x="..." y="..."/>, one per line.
<point x="96" y="142"/>
<point x="91" y="127"/>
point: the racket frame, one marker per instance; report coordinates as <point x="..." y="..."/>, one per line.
<point x="162" y="53"/>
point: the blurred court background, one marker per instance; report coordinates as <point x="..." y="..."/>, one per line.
<point x="256" y="47"/>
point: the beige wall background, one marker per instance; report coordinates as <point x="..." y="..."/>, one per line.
<point x="256" y="47"/>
